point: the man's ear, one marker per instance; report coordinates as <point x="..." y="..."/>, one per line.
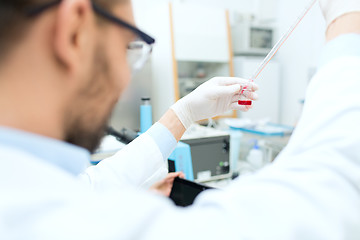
<point x="73" y="37"/>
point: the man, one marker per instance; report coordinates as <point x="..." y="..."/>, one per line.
<point x="64" y="65"/>
<point x="75" y="57"/>
<point x="311" y="192"/>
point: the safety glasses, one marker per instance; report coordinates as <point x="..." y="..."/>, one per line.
<point x="138" y="51"/>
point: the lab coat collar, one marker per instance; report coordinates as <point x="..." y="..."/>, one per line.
<point x="69" y="157"/>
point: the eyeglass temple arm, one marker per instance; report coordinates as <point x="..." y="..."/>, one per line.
<point x="149" y="40"/>
<point x="33" y="11"/>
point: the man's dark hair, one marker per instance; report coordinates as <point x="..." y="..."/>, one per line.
<point x="14" y="20"/>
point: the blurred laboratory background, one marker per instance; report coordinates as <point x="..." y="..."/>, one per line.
<point x="200" y="39"/>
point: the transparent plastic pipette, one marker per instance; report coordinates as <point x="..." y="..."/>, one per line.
<point x="278" y="45"/>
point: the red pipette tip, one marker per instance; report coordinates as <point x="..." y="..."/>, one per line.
<point x="245" y="103"/>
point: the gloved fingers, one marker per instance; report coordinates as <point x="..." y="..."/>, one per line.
<point x="251" y="87"/>
<point x="243" y="108"/>
<point x="235" y="102"/>
<point x="227" y="90"/>
<point x="236" y="98"/>
<point x="226" y="81"/>
<point x="244" y="83"/>
<point x="251" y="95"/>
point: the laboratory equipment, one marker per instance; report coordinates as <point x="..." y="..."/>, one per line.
<point x="264" y="129"/>
<point x="113" y="142"/>
<point x="180" y="161"/>
<point x="125" y="136"/>
<point x="210" y="153"/>
<point x="235" y="144"/>
<point x="277" y="46"/>
<point x="145" y="114"/>
<point x="256" y="156"/>
<point x="253" y="39"/>
<point x="271" y="138"/>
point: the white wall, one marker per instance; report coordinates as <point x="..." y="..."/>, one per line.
<point x="240" y="5"/>
<point x="300" y="55"/>
<point x="156" y="22"/>
<point x="252" y="7"/>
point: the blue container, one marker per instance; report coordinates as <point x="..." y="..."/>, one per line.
<point x="145" y="115"/>
<point x="183" y="161"/>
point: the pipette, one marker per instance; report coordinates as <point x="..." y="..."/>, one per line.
<point x="276" y="48"/>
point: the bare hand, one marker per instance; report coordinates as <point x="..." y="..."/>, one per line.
<point x="164" y="186"/>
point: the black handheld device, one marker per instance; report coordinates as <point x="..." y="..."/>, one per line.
<point x="184" y="192"/>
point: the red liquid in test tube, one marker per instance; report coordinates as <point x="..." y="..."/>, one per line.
<point x="245" y="102"/>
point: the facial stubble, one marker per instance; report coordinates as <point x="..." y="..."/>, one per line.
<point x="86" y="127"/>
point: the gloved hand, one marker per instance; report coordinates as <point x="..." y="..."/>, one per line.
<point x="332" y="9"/>
<point x="214" y="97"/>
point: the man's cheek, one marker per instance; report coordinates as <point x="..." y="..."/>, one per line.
<point x="123" y="81"/>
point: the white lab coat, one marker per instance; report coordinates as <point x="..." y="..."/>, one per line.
<point x="139" y="164"/>
<point x="311" y="192"/>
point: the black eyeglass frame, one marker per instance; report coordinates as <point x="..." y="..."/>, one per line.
<point x="34" y="11"/>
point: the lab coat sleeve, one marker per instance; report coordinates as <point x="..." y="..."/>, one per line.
<point x="140" y="164"/>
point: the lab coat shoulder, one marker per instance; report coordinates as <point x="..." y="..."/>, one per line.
<point x="22" y="170"/>
<point x="327" y="131"/>
<point x="139" y="164"/>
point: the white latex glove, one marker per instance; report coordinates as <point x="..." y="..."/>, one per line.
<point x="332" y="9"/>
<point x="214" y="97"/>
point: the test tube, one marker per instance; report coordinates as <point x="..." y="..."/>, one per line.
<point x="243" y="100"/>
